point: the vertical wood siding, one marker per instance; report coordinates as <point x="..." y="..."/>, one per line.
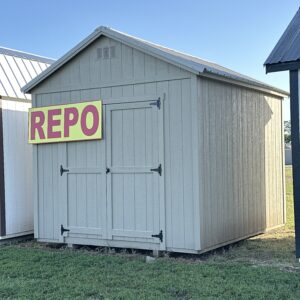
<point x="241" y="177"/>
<point x="131" y="73"/>
<point x="129" y="66"/>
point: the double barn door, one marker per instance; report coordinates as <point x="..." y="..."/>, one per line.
<point x="112" y="189"/>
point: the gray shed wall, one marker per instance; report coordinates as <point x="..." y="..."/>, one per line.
<point x="241" y="162"/>
<point x="130" y="74"/>
<point x="223" y="169"/>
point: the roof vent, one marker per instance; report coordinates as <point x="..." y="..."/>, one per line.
<point x="106" y="52"/>
<point x="112" y="51"/>
<point x="99" y="53"/>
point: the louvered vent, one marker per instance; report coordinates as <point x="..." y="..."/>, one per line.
<point x="99" y="53"/>
<point x="112" y="51"/>
<point x="106" y="52"/>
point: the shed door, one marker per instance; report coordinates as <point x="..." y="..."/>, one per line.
<point x="84" y="211"/>
<point x="134" y="190"/>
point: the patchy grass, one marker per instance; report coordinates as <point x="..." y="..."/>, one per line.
<point x="289" y="199"/>
<point x="276" y="247"/>
<point x="33" y="273"/>
<point x="259" y="268"/>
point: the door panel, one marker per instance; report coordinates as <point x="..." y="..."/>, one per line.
<point x="109" y="191"/>
<point x="84" y="193"/>
<point x="86" y="189"/>
<point x="133" y="189"/>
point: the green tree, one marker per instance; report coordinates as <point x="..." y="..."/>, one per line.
<point x="287" y="132"/>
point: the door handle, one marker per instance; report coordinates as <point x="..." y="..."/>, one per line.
<point x="62" y="170"/>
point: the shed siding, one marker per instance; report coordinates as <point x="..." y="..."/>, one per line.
<point x="17" y="167"/>
<point x="131" y="74"/>
<point x="240" y="166"/>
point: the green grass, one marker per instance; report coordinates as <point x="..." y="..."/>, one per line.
<point x="259" y="268"/>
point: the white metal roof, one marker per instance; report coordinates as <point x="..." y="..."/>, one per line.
<point x="17" y="69"/>
<point x="184" y="61"/>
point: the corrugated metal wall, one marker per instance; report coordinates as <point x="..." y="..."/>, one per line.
<point x="241" y="162"/>
<point x="130" y="73"/>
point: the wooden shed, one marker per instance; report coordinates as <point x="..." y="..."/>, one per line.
<point x="190" y="159"/>
<point x="16" y="205"/>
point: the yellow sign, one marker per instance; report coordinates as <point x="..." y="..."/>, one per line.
<point x="65" y="123"/>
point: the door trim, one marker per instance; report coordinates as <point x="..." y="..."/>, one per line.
<point x="161" y="156"/>
<point x="63" y="192"/>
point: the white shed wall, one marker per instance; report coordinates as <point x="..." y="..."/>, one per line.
<point x="17" y="168"/>
<point x="241" y="162"/>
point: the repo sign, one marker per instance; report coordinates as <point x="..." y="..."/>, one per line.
<point x="65" y="123"/>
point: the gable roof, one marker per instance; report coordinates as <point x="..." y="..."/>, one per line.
<point x="287" y="48"/>
<point x="190" y="63"/>
<point x="17" y="69"/>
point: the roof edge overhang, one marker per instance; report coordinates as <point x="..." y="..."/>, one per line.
<point x="144" y="47"/>
<point x="101" y="31"/>
<point x="23" y="100"/>
<point x="283" y="66"/>
<point x="60" y="62"/>
<point x="26" y="55"/>
<point x="271" y="90"/>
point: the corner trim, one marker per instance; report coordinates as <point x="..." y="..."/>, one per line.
<point x="2" y="183"/>
<point x="294" y="104"/>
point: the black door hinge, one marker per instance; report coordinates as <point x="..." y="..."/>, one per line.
<point x="107" y="170"/>
<point x="159" y="236"/>
<point x="62" y="230"/>
<point x="156" y="103"/>
<point x="158" y="170"/>
<point x="62" y="170"/>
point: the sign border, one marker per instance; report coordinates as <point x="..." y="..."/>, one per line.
<point x="66" y="141"/>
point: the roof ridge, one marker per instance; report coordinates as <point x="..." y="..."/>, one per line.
<point x="159" y="45"/>
<point x="213" y="64"/>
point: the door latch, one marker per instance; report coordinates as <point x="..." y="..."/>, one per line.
<point x="159" y="236"/>
<point x="156" y="103"/>
<point x="62" y="170"/>
<point x="158" y="170"/>
<point x="62" y="230"/>
<point x="107" y="170"/>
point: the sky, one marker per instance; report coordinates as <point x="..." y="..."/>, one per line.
<point x="238" y="34"/>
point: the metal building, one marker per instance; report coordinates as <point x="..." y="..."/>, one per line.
<point x="191" y="156"/>
<point x="286" y="57"/>
<point x="16" y="208"/>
